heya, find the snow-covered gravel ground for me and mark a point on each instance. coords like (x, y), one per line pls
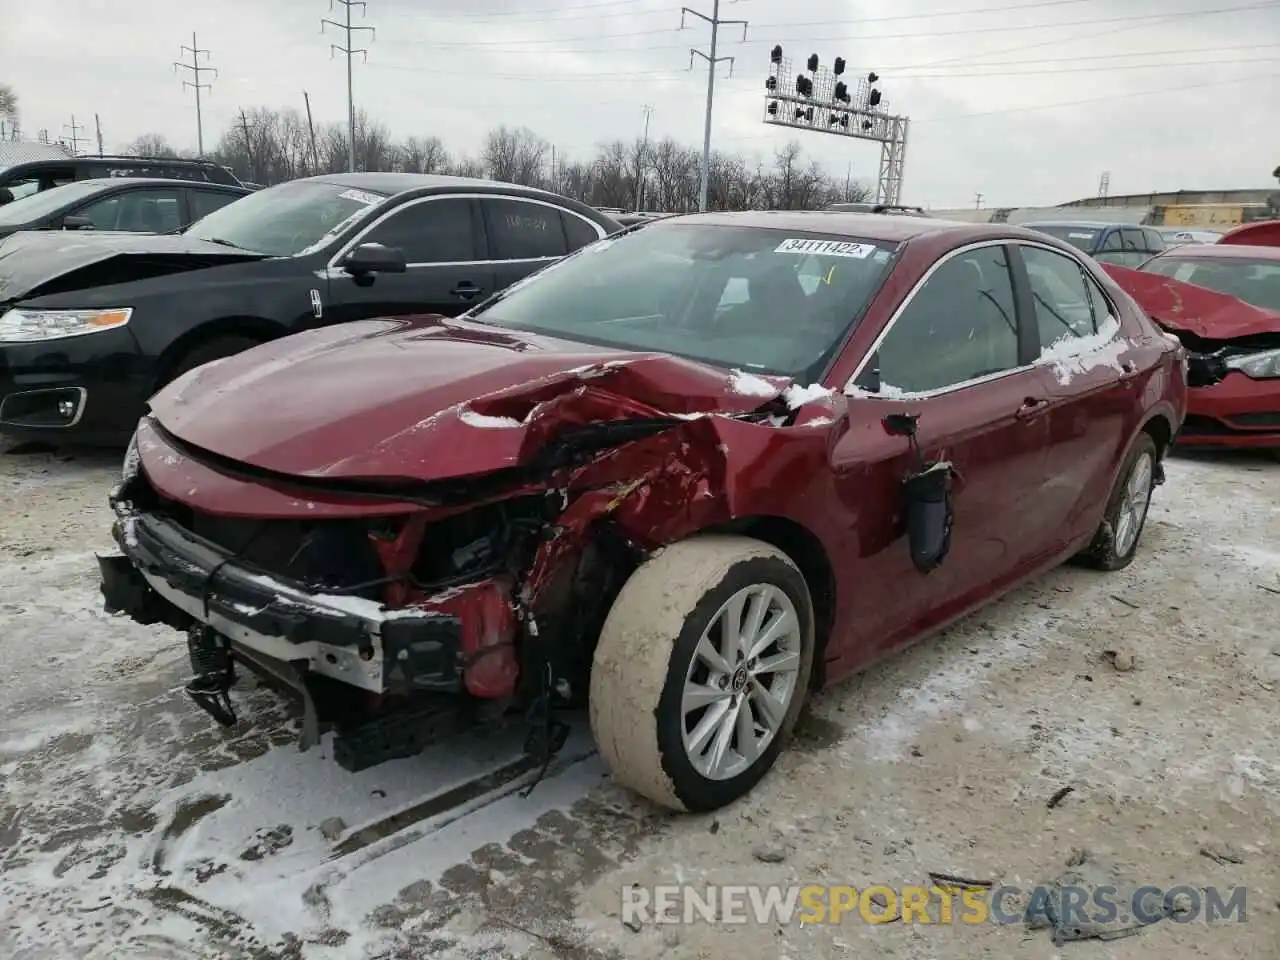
(130, 827)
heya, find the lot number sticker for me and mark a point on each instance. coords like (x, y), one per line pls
(359, 196)
(827, 248)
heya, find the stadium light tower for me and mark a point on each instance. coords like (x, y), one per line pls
(819, 98)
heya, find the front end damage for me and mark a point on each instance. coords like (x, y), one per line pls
(400, 612)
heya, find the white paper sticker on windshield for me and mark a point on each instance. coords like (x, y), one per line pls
(1080, 236)
(826, 248)
(359, 196)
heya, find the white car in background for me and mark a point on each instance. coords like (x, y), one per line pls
(1177, 236)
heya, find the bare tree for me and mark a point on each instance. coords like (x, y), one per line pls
(151, 145)
(515, 155)
(8, 101)
(270, 146)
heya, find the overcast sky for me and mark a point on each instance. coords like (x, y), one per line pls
(1024, 101)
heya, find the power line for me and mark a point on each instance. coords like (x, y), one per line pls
(75, 138)
(508, 46)
(903, 70)
(195, 84)
(711, 58)
(350, 51)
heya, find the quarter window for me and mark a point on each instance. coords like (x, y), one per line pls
(960, 326)
(434, 231)
(1062, 302)
(577, 231)
(519, 230)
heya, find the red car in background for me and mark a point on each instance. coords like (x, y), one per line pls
(1223, 302)
(682, 477)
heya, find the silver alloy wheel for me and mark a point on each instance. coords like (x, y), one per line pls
(740, 681)
(1134, 502)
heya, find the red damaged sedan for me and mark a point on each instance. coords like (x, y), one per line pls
(683, 478)
(1223, 302)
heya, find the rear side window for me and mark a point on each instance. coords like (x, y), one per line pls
(138, 211)
(520, 230)
(577, 231)
(1111, 241)
(1063, 308)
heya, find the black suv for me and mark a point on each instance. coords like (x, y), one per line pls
(92, 323)
(24, 179)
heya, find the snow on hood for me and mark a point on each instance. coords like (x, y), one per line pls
(431, 399)
(1192, 309)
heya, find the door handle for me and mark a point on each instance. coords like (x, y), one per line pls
(466, 290)
(1031, 408)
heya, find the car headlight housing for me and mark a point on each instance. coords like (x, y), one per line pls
(24, 325)
(1261, 366)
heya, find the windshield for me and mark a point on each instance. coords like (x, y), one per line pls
(1254, 281)
(37, 206)
(748, 298)
(286, 220)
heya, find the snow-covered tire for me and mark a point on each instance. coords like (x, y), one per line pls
(1113, 548)
(651, 646)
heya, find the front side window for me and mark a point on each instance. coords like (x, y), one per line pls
(731, 296)
(285, 220)
(36, 206)
(1064, 311)
(523, 231)
(138, 211)
(433, 231)
(1256, 282)
(960, 326)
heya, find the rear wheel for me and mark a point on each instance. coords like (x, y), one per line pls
(701, 671)
(1116, 541)
(207, 351)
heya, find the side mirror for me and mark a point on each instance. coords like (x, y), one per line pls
(6, 196)
(76, 223)
(374, 258)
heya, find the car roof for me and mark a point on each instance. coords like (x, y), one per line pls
(1086, 224)
(394, 183)
(1223, 251)
(884, 227)
(104, 182)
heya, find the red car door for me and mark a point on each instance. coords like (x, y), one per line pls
(1090, 373)
(956, 355)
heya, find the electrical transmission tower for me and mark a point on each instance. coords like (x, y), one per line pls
(74, 139)
(712, 59)
(1104, 184)
(350, 51)
(195, 84)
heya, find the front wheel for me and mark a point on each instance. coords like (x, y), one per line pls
(1116, 541)
(701, 671)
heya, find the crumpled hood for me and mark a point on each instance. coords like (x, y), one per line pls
(429, 399)
(50, 259)
(1196, 310)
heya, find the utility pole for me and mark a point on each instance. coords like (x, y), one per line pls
(350, 51)
(248, 147)
(195, 84)
(311, 130)
(75, 138)
(712, 60)
(97, 123)
(644, 146)
(554, 186)
(977, 201)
